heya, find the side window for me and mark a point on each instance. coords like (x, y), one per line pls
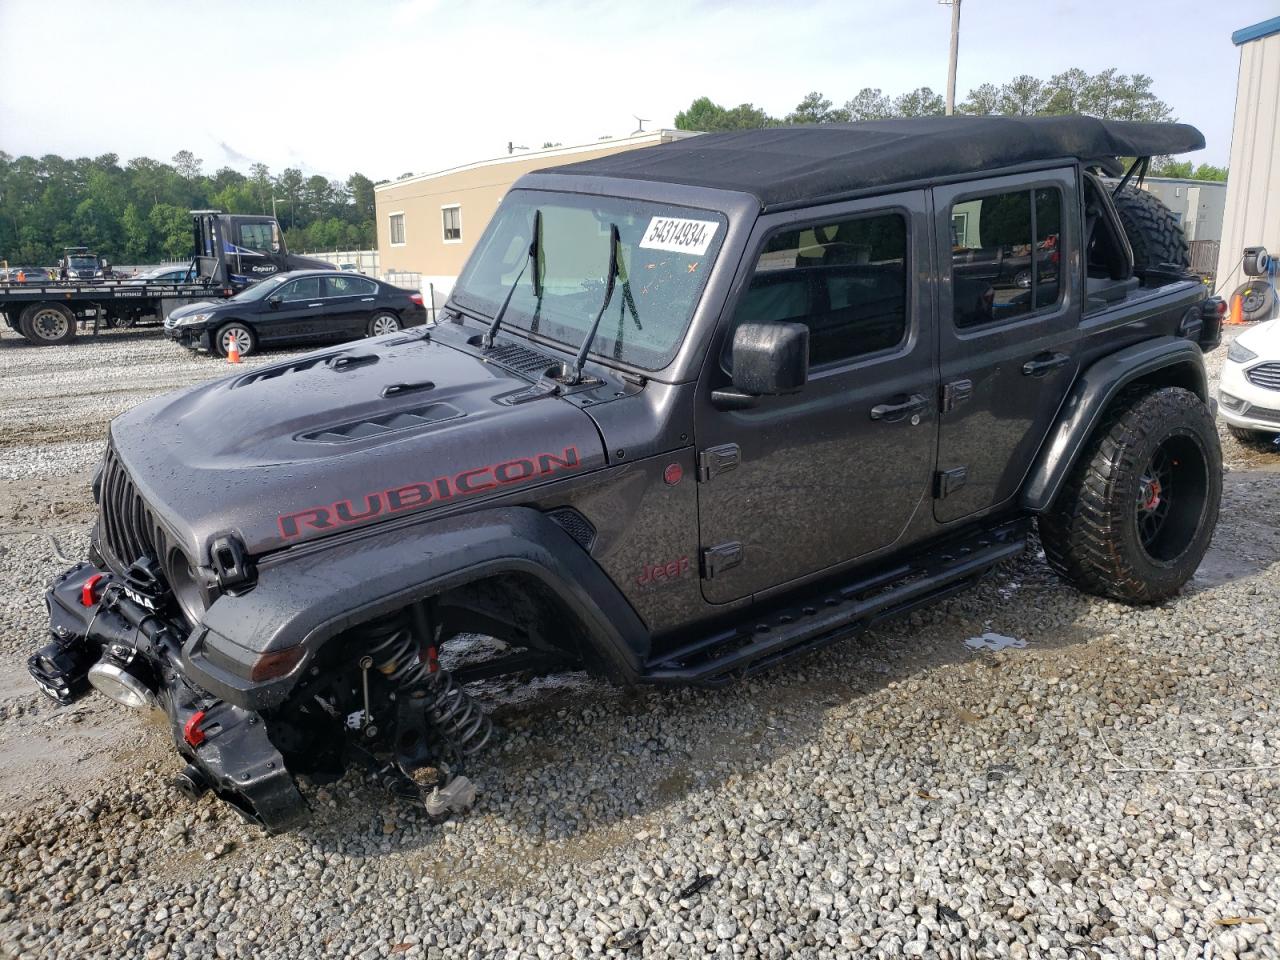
(845, 280)
(348, 287)
(262, 237)
(306, 288)
(452, 223)
(998, 271)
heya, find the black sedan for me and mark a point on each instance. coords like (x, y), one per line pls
(303, 306)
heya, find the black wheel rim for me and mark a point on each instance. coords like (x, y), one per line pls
(1170, 498)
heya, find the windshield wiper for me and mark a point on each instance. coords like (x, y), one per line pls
(487, 340)
(575, 374)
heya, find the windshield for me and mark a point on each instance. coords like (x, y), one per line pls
(261, 289)
(83, 263)
(666, 253)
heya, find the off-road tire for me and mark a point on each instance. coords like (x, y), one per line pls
(1093, 535)
(1257, 299)
(1155, 236)
(381, 323)
(47, 324)
(242, 330)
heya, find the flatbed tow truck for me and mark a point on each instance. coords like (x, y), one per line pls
(232, 251)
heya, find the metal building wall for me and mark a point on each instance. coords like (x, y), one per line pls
(1253, 182)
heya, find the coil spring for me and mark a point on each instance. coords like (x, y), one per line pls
(460, 720)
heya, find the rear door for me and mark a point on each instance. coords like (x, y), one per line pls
(1008, 330)
(836, 471)
(351, 302)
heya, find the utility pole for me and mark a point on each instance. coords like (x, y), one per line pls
(955, 51)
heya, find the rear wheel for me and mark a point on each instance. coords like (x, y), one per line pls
(1154, 234)
(383, 322)
(1136, 515)
(238, 333)
(47, 324)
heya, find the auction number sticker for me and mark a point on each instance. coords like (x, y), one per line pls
(679, 236)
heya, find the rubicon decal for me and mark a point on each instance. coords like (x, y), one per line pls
(423, 493)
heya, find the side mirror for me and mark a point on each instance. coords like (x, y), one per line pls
(274, 302)
(769, 359)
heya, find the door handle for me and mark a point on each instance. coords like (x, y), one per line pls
(315, 304)
(1044, 363)
(890, 412)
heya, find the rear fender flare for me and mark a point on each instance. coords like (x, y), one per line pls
(311, 596)
(1163, 361)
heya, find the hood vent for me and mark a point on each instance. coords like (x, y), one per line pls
(521, 359)
(383, 425)
(270, 373)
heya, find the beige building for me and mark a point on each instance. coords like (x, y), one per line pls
(428, 224)
(1252, 215)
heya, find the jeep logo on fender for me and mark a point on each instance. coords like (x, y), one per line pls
(414, 496)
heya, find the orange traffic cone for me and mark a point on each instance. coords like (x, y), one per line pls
(1237, 310)
(233, 349)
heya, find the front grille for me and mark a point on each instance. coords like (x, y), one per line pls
(1264, 375)
(127, 528)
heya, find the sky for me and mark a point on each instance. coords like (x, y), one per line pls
(387, 87)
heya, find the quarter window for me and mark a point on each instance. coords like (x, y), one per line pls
(397, 228)
(845, 280)
(997, 271)
(452, 223)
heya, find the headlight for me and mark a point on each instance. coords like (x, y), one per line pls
(184, 581)
(193, 319)
(1240, 354)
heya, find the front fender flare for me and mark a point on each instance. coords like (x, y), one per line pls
(1093, 392)
(308, 597)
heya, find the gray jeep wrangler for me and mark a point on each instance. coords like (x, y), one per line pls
(689, 410)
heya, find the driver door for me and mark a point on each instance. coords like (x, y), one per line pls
(804, 482)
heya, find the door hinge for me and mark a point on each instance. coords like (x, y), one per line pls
(716, 560)
(954, 393)
(947, 482)
(715, 460)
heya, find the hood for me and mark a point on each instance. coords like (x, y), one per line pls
(188, 309)
(343, 438)
(1264, 340)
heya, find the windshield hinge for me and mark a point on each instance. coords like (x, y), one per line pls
(716, 460)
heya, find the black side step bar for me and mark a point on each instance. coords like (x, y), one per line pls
(833, 615)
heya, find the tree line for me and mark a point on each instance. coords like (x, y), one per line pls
(1108, 94)
(139, 211)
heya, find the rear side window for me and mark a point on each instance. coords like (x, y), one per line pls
(845, 280)
(998, 271)
(349, 287)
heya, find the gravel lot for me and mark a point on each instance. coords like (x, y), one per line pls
(1108, 790)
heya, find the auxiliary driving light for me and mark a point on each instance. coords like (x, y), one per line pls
(111, 676)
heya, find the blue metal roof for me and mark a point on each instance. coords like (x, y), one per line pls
(1259, 30)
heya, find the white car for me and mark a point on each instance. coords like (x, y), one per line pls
(1249, 395)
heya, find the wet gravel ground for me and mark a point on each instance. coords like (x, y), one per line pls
(1108, 790)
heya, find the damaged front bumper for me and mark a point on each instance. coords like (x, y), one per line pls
(107, 635)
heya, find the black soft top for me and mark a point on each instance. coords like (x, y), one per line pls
(784, 166)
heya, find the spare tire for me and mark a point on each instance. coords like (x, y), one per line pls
(1257, 299)
(1154, 234)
